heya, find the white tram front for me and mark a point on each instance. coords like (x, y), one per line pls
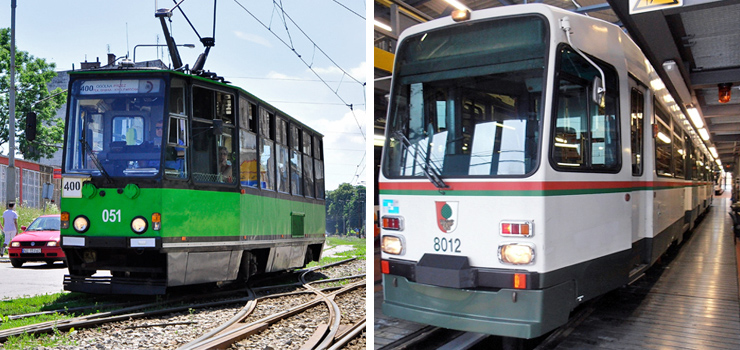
(533, 160)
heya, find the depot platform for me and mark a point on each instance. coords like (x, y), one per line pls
(689, 300)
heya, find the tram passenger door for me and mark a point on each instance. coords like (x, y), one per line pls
(641, 195)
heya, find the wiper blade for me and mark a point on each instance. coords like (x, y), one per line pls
(95, 160)
(430, 170)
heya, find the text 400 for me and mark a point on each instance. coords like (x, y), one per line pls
(446, 245)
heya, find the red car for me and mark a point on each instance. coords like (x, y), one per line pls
(38, 242)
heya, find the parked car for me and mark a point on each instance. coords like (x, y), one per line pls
(38, 242)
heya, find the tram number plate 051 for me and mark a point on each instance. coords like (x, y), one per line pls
(447, 245)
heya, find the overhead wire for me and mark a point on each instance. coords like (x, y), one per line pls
(349, 9)
(285, 16)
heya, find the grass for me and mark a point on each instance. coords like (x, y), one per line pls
(49, 302)
(358, 249)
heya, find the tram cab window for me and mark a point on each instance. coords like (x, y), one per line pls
(212, 153)
(586, 133)
(267, 151)
(318, 166)
(248, 175)
(296, 163)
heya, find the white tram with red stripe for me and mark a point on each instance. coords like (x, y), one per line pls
(533, 160)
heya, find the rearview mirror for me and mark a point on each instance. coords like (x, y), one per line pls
(218, 126)
(597, 91)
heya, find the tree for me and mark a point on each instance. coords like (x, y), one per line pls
(32, 77)
(345, 208)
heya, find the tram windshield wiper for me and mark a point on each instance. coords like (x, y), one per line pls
(95, 160)
(430, 170)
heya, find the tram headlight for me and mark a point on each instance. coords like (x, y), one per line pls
(81, 224)
(516, 253)
(139, 225)
(391, 245)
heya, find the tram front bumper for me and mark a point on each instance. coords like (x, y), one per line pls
(505, 312)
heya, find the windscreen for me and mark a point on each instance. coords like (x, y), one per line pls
(467, 100)
(115, 127)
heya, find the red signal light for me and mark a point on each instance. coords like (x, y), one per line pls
(391, 223)
(385, 267)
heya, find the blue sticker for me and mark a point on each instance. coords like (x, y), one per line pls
(390, 206)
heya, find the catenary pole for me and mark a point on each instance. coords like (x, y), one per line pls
(10, 172)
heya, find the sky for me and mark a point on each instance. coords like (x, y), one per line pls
(329, 36)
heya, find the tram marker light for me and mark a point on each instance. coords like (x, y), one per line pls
(520, 281)
(391, 245)
(385, 267)
(64, 219)
(516, 228)
(394, 223)
(156, 221)
(516, 254)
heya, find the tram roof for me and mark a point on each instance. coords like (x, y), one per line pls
(155, 70)
(700, 36)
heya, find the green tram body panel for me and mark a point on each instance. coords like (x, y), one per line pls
(194, 213)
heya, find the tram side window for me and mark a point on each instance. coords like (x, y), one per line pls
(679, 153)
(267, 151)
(248, 143)
(296, 164)
(281, 152)
(212, 153)
(318, 166)
(175, 164)
(663, 147)
(307, 165)
(586, 134)
(637, 124)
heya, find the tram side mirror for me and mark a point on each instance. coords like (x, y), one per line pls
(218, 126)
(30, 126)
(597, 92)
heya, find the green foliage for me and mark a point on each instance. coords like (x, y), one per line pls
(27, 215)
(345, 209)
(32, 76)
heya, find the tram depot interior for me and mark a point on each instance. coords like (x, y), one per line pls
(693, 45)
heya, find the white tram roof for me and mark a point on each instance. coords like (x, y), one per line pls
(594, 36)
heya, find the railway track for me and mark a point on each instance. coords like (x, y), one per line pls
(256, 314)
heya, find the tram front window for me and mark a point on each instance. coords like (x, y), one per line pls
(117, 124)
(467, 100)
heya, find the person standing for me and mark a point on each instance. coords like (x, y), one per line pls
(10, 226)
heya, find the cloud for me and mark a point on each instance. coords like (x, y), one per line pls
(252, 38)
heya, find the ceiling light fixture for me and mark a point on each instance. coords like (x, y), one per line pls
(674, 75)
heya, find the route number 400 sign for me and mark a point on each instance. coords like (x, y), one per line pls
(72, 187)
